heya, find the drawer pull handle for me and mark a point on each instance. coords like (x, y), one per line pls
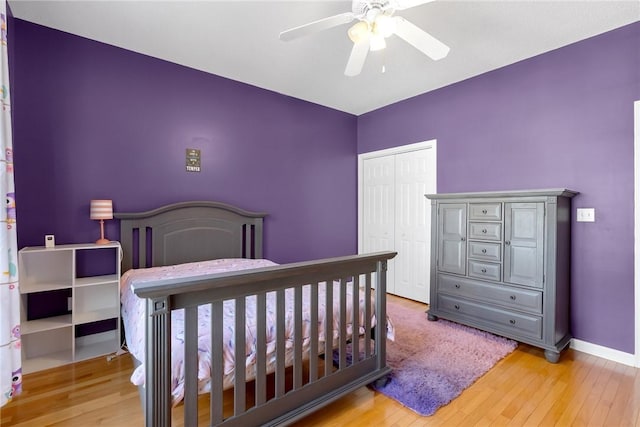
(484, 211)
(513, 322)
(513, 297)
(457, 307)
(484, 230)
(484, 251)
(457, 286)
(507, 243)
(463, 239)
(484, 270)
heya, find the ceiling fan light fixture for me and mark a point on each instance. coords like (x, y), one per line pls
(384, 25)
(377, 42)
(358, 31)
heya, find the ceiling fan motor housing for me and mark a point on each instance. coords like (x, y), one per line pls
(361, 8)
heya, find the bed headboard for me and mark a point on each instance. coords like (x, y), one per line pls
(189, 232)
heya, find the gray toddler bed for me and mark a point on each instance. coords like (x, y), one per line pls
(198, 231)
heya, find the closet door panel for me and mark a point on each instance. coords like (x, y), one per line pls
(414, 177)
(378, 210)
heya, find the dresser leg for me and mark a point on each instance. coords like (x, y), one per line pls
(552, 356)
(432, 317)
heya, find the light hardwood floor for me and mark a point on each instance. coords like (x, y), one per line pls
(522, 389)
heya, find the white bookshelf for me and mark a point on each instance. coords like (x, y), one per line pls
(53, 341)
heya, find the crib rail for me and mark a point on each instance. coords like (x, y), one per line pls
(363, 363)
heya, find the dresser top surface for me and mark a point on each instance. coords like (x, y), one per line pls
(554, 192)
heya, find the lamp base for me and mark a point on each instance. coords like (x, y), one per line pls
(102, 241)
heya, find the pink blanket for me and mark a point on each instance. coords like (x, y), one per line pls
(133, 315)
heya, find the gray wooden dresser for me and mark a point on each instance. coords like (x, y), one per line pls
(500, 262)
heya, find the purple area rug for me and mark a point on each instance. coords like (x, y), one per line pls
(433, 362)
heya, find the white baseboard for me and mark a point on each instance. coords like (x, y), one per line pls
(604, 352)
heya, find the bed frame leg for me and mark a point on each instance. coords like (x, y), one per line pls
(381, 382)
(158, 363)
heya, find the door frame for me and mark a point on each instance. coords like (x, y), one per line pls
(636, 227)
(431, 144)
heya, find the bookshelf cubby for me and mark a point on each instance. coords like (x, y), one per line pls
(50, 334)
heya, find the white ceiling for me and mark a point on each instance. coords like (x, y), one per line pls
(239, 40)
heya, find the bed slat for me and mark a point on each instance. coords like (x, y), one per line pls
(261, 349)
(342, 346)
(126, 238)
(257, 239)
(367, 316)
(248, 239)
(142, 247)
(280, 343)
(191, 366)
(313, 333)
(328, 326)
(355, 319)
(217, 364)
(297, 338)
(239, 403)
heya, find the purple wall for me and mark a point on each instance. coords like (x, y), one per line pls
(95, 121)
(562, 119)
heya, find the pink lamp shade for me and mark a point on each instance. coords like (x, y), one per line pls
(101, 210)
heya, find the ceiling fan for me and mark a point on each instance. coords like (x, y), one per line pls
(375, 23)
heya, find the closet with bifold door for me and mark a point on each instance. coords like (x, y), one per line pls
(395, 216)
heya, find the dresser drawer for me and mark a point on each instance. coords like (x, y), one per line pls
(515, 298)
(485, 211)
(484, 270)
(485, 250)
(485, 231)
(515, 324)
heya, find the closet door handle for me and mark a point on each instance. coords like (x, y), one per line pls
(463, 239)
(507, 243)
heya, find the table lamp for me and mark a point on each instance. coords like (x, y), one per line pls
(101, 210)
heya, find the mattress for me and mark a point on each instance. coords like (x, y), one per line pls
(133, 315)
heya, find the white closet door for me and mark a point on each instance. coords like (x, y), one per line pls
(414, 177)
(378, 210)
(396, 216)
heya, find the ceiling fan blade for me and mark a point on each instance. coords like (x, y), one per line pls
(316, 26)
(406, 4)
(356, 59)
(421, 40)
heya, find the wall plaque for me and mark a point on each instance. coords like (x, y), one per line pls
(193, 160)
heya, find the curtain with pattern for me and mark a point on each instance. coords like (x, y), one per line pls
(10, 354)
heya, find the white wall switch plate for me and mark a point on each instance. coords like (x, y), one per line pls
(586, 215)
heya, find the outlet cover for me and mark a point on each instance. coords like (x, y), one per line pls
(586, 215)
